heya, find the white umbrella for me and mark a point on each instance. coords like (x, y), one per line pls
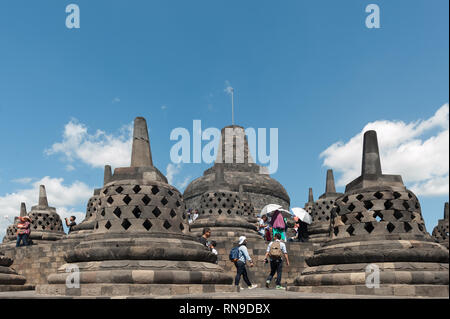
(269, 209)
(302, 214)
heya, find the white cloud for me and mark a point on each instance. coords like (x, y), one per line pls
(65, 198)
(173, 170)
(95, 149)
(419, 151)
(163, 107)
(25, 180)
(116, 100)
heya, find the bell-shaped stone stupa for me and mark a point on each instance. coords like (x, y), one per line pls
(141, 243)
(222, 210)
(319, 230)
(440, 232)
(46, 225)
(379, 244)
(11, 231)
(309, 206)
(88, 224)
(239, 169)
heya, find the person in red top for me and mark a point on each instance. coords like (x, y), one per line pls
(23, 231)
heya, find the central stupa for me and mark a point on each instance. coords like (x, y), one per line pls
(241, 175)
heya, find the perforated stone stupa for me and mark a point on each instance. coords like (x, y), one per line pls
(310, 204)
(46, 225)
(141, 243)
(88, 224)
(239, 169)
(11, 231)
(222, 210)
(440, 232)
(377, 225)
(319, 230)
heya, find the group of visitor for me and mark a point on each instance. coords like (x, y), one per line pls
(273, 229)
(268, 227)
(24, 229)
(275, 252)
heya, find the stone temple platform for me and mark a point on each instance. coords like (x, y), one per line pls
(141, 243)
(377, 236)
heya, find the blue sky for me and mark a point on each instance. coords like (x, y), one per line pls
(309, 68)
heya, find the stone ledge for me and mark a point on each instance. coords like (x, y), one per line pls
(15, 287)
(384, 290)
(132, 290)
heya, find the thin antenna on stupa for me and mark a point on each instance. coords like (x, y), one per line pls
(229, 90)
(232, 106)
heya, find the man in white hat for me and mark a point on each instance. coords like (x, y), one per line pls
(240, 263)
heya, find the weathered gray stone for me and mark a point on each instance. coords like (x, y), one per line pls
(319, 230)
(86, 227)
(141, 234)
(10, 280)
(440, 232)
(239, 169)
(378, 223)
(11, 230)
(46, 225)
(223, 211)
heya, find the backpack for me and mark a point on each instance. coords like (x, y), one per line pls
(234, 254)
(275, 250)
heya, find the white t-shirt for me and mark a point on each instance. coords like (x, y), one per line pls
(262, 223)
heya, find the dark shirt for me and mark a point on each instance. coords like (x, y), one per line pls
(302, 230)
(71, 225)
(203, 241)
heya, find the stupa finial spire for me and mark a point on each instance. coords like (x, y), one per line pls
(310, 195)
(141, 155)
(42, 196)
(23, 210)
(371, 164)
(107, 174)
(446, 211)
(330, 187)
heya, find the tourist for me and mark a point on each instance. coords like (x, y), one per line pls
(263, 224)
(275, 251)
(205, 235)
(296, 225)
(303, 235)
(189, 217)
(194, 215)
(241, 262)
(278, 225)
(72, 222)
(212, 247)
(23, 231)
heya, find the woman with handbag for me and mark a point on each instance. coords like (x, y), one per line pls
(23, 231)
